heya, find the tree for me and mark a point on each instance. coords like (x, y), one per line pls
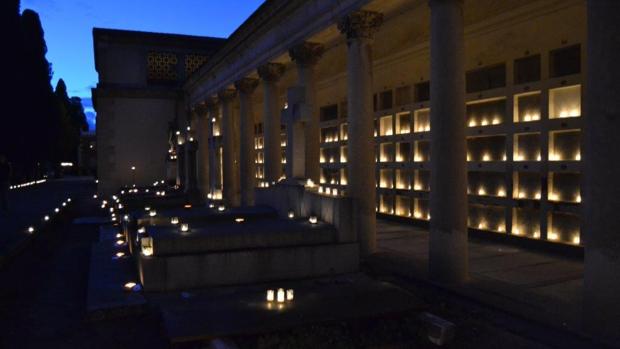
(72, 121)
(37, 128)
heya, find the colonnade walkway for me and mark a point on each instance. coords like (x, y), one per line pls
(538, 285)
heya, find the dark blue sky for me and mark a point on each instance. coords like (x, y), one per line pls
(68, 28)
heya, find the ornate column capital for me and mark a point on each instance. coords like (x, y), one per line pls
(306, 53)
(246, 85)
(431, 3)
(360, 24)
(200, 109)
(271, 72)
(211, 103)
(227, 95)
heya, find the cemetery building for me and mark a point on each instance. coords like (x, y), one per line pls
(488, 117)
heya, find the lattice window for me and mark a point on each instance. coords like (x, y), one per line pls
(193, 62)
(162, 66)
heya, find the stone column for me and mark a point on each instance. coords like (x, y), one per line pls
(212, 115)
(180, 159)
(306, 55)
(202, 157)
(600, 188)
(229, 135)
(359, 28)
(270, 73)
(191, 188)
(448, 198)
(247, 169)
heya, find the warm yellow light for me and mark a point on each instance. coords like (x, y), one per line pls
(119, 235)
(578, 157)
(537, 195)
(129, 286)
(472, 123)
(516, 231)
(120, 254)
(521, 195)
(239, 220)
(270, 295)
(290, 294)
(578, 198)
(31, 229)
(146, 245)
(538, 157)
(184, 227)
(496, 121)
(174, 220)
(141, 230)
(313, 219)
(280, 295)
(536, 235)
(417, 214)
(481, 191)
(552, 235)
(291, 215)
(484, 122)
(553, 197)
(120, 242)
(486, 157)
(221, 208)
(518, 157)
(501, 192)
(576, 240)
(482, 225)
(152, 213)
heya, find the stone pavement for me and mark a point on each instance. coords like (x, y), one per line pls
(28, 206)
(537, 285)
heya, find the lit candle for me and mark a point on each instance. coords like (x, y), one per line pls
(270, 295)
(280, 295)
(174, 220)
(152, 213)
(290, 294)
(184, 227)
(221, 208)
(313, 219)
(239, 220)
(291, 215)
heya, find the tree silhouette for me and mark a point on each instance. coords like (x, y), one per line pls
(40, 126)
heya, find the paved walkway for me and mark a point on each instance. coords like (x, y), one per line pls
(28, 205)
(534, 284)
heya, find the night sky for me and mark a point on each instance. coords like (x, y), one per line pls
(68, 29)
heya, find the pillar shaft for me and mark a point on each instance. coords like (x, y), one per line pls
(245, 87)
(448, 261)
(202, 157)
(359, 27)
(306, 56)
(180, 161)
(191, 187)
(600, 189)
(270, 73)
(229, 139)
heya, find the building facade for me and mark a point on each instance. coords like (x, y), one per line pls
(464, 114)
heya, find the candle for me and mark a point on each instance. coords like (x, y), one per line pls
(270, 295)
(280, 295)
